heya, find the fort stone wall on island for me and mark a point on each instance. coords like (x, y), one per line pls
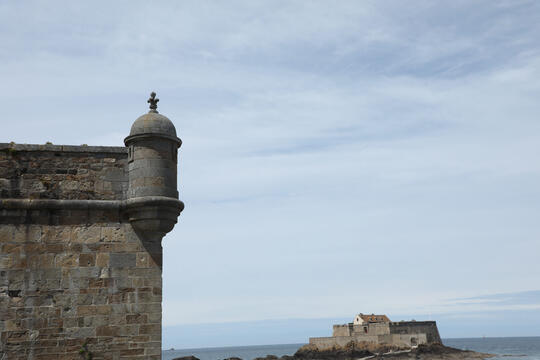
(382, 331)
(415, 327)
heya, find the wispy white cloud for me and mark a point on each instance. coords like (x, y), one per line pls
(329, 151)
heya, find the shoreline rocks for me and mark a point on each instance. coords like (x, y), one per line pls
(354, 349)
(373, 351)
(436, 351)
(365, 351)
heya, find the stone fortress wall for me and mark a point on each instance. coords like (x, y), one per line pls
(403, 334)
(417, 327)
(80, 245)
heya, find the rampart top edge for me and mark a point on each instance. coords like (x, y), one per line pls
(63, 148)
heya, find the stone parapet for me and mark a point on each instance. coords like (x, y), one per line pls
(13, 147)
(63, 172)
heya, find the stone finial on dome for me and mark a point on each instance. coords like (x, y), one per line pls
(153, 102)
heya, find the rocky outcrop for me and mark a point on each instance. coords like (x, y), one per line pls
(435, 351)
(191, 357)
(365, 351)
(353, 350)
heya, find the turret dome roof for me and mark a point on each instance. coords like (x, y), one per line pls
(153, 123)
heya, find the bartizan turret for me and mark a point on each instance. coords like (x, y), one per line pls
(152, 199)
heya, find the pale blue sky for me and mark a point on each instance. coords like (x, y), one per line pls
(338, 157)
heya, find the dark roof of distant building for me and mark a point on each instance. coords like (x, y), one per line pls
(375, 318)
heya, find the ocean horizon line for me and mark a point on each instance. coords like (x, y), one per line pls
(291, 344)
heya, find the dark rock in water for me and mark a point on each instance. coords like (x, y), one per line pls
(309, 353)
(438, 349)
(355, 351)
(434, 351)
(267, 357)
(382, 352)
(191, 357)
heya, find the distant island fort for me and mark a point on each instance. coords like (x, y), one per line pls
(378, 329)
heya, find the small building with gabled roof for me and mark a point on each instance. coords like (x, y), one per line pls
(361, 319)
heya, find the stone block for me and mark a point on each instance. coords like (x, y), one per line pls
(100, 299)
(112, 234)
(12, 249)
(84, 299)
(137, 282)
(96, 321)
(132, 352)
(12, 325)
(127, 247)
(86, 310)
(89, 272)
(155, 350)
(142, 259)
(121, 309)
(54, 248)
(55, 322)
(43, 261)
(122, 260)
(86, 234)
(117, 330)
(87, 260)
(154, 317)
(5, 261)
(147, 308)
(27, 233)
(146, 297)
(136, 318)
(80, 332)
(149, 329)
(66, 260)
(105, 273)
(6, 233)
(70, 322)
(102, 259)
(56, 234)
(103, 309)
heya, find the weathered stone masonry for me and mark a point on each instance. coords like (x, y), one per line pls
(80, 245)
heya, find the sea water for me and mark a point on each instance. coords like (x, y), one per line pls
(510, 348)
(526, 348)
(243, 352)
